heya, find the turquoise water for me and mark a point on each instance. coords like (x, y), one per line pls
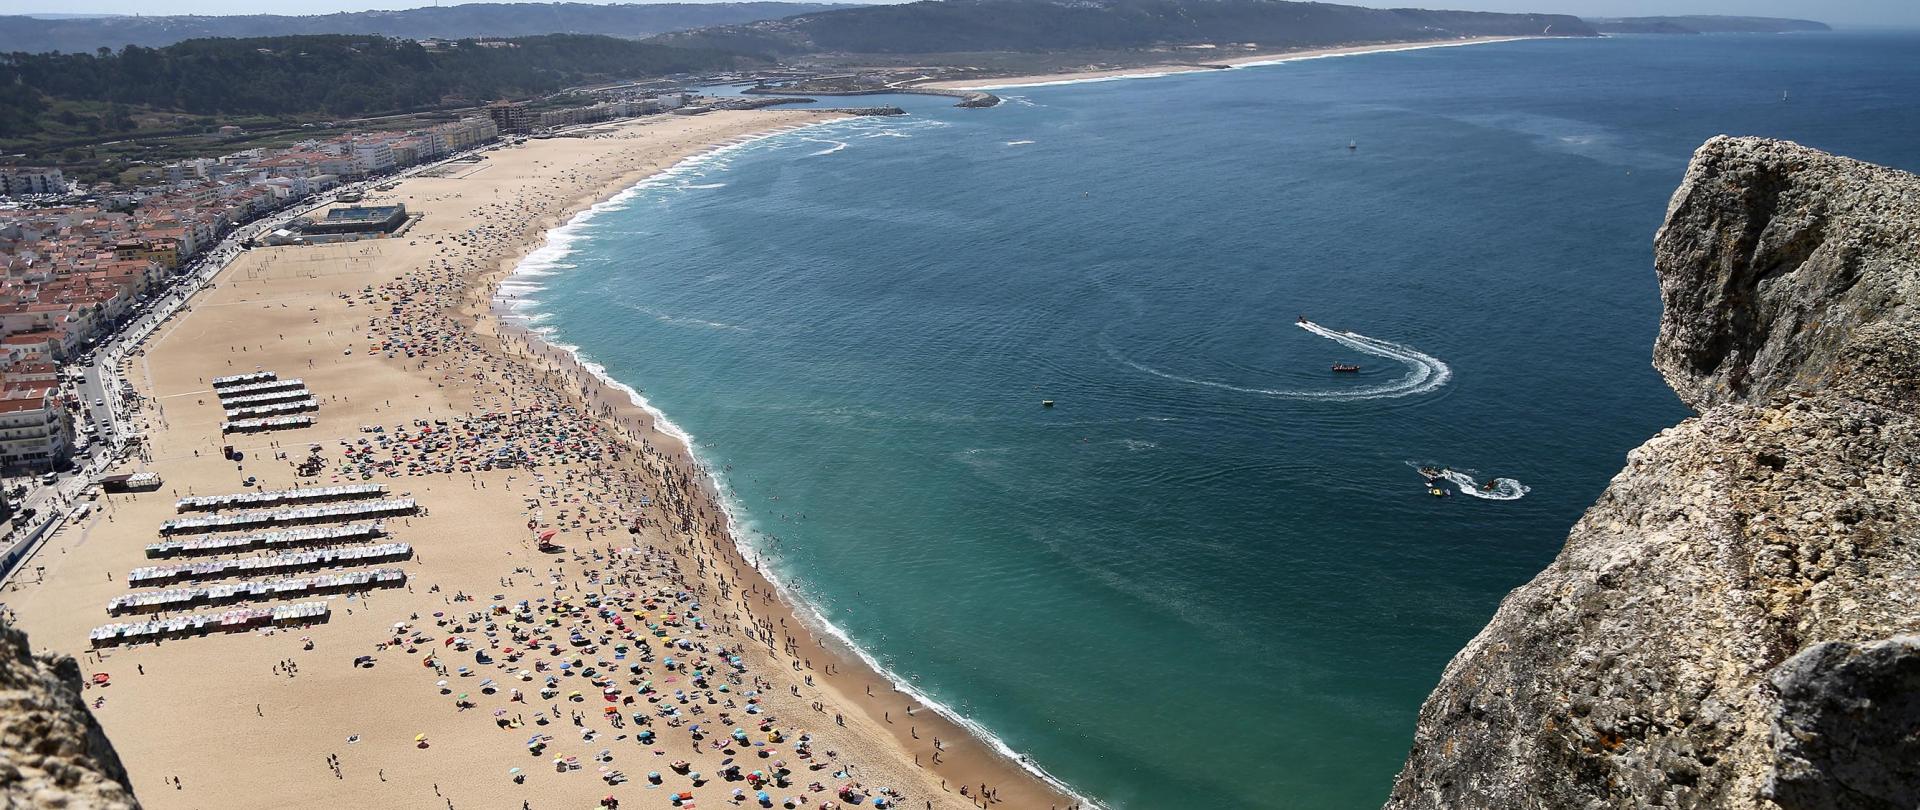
(1209, 574)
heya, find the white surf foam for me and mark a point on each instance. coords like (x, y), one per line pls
(740, 527)
(1424, 371)
(1018, 143)
(744, 532)
(1504, 489)
(549, 258)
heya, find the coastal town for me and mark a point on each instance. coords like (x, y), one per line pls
(303, 441)
(82, 262)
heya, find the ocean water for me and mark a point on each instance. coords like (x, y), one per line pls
(1210, 573)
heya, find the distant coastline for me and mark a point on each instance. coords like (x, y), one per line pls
(1171, 68)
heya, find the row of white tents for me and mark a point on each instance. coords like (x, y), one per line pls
(245, 566)
(276, 409)
(248, 378)
(224, 543)
(265, 423)
(266, 398)
(234, 620)
(277, 497)
(236, 521)
(177, 598)
(264, 387)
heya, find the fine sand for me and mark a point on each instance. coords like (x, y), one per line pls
(1201, 60)
(390, 331)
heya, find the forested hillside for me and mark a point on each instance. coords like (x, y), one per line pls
(948, 26)
(1705, 24)
(332, 75)
(467, 20)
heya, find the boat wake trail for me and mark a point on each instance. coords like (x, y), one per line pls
(1497, 489)
(1424, 371)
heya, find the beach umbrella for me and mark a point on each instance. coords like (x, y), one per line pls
(419, 738)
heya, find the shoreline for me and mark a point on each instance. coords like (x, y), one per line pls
(1204, 66)
(261, 743)
(625, 404)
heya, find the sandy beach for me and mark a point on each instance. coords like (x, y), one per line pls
(1198, 60)
(640, 657)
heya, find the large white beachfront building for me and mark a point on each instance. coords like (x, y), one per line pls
(34, 428)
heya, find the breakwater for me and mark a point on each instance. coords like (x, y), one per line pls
(968, 98)
(865, 110)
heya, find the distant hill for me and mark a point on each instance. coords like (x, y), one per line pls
(1704, 24)
(78, 34)
(950, 26)
(332, 75)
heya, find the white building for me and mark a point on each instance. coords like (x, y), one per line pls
(17, 181)
(34, 430)
(372, 156)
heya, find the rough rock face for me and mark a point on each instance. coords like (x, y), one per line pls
(52, 753)
(1712, 634)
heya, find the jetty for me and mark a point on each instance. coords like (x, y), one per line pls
(968, 98)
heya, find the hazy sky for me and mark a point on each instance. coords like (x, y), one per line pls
(1837, 12)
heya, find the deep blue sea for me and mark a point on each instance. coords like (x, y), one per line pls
(1210, 572)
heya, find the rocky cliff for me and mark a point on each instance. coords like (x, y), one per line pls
(52, 753)
(1727, 627)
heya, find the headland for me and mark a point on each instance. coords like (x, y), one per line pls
(1205, 60)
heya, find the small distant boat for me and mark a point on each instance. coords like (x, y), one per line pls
(1783, 97)
(1046, 403)
(1352, 145)
(1437, 492)
(1345, 368)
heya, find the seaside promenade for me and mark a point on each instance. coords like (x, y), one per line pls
(574, 622)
